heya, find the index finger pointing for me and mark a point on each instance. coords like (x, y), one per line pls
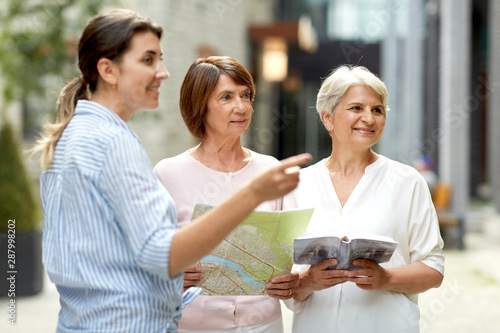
(295, 161)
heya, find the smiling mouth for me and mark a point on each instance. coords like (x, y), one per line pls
(241, 121)
(364, 130)
(153, 89)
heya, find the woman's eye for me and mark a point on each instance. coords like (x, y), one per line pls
(148, 60)
(378, 110)
(246, 96)
(357, 108)
(225, 97)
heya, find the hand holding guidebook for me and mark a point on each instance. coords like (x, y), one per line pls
(309, 250)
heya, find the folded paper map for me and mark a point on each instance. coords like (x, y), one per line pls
(260, 248)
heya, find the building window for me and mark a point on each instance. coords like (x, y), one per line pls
(363, 20)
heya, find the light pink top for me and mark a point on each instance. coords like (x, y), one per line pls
(190, 182)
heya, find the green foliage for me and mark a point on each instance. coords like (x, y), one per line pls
(39, 39)
(38, 44)
(16, 195)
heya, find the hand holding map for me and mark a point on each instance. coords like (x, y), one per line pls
(258, 249)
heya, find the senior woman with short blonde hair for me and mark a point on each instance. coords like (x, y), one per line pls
(356, 190)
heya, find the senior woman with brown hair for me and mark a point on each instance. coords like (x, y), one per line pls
(216, 104)
(355, 190)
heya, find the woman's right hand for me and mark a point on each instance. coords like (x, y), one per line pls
(278, 180)
(282, 286)
(192, 277)
(319, 277)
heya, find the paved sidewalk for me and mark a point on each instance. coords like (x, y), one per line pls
(467, 301)
(34, 314)
(469, 298)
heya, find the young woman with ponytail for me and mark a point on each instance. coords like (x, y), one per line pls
(111, 244)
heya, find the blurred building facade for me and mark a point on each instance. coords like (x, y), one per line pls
(192, 29)
(437, 57)
(440, 60)
(492, 74)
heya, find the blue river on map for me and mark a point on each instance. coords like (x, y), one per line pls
(232, 265)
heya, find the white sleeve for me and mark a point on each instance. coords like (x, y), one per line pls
(425, 242)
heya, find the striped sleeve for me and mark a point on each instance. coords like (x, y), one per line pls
(142, 208)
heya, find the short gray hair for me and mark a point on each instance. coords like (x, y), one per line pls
(336, 84)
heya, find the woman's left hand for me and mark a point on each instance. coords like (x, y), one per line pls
(192, 277)
(409, 279)
(283, 286)
(371, 277)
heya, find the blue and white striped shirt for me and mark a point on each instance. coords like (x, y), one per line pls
(108, 228)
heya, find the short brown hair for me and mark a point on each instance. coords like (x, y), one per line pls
(200, 81)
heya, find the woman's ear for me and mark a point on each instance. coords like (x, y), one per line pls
(327, 120)
(108, 71)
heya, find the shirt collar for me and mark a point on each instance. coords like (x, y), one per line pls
(98, 110)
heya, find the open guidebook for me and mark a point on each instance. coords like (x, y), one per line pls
(311, 250)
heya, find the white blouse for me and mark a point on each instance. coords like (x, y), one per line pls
(391, 199)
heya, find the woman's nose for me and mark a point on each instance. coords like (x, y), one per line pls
(368, 116)
(162, 72)
(239, 105)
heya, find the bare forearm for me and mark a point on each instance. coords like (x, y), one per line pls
(195, 240)
(413, 279)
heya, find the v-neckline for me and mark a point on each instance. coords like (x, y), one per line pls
(355, 192)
